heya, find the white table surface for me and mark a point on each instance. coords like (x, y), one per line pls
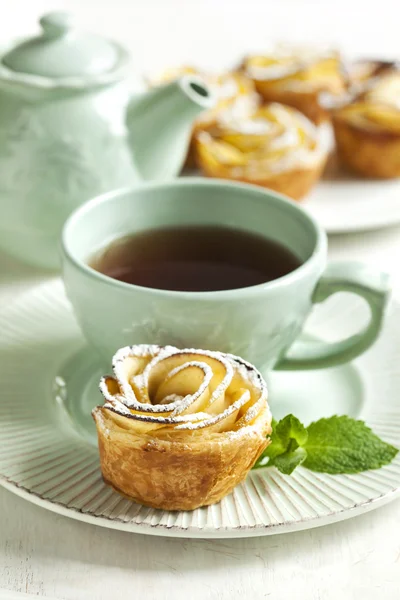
(51, 556)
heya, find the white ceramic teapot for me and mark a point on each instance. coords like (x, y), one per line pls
(69, 130)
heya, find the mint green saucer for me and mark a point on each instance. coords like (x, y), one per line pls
(48, 452)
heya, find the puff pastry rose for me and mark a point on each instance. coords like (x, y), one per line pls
(367, 131)
(276, 147)
(300, 78)
(180, 428)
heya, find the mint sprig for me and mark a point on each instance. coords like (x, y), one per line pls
(286, 450)
(333, 445)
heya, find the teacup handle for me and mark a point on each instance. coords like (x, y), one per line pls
(358, 279)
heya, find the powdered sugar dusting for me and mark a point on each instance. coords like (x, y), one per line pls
(171, 398)
(135, 366)
(215, 419)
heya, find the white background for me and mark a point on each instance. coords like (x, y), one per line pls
(49, 555)
(162, 32)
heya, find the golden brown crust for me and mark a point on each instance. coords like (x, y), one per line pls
(367, 152)
(180, 429)
(175, 475)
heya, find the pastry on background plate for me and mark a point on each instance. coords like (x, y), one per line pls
(276, 147)
(367, 131)
(180, 428)
(302, 78)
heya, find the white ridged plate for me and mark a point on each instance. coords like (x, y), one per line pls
(48, 455)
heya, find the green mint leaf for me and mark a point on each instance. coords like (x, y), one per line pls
(344, 445)
(288, 435)
(287, 462)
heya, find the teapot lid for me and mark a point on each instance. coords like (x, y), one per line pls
(61, 51)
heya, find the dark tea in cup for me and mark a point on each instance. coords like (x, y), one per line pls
(195, 259)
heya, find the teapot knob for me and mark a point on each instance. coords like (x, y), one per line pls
(56, 24)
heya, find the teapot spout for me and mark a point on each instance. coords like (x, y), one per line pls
(160, 124)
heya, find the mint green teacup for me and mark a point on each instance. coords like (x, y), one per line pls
(259, 323)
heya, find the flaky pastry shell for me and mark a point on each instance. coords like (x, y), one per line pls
(367, 131)
(180, 428)
(276, 147)
(302, 79)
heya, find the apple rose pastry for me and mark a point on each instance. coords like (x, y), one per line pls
(180, 428)
(367, 131)
(301, 78)
(276, 147)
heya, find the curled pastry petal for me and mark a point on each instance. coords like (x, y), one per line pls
(180, 428)
(276, 147)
